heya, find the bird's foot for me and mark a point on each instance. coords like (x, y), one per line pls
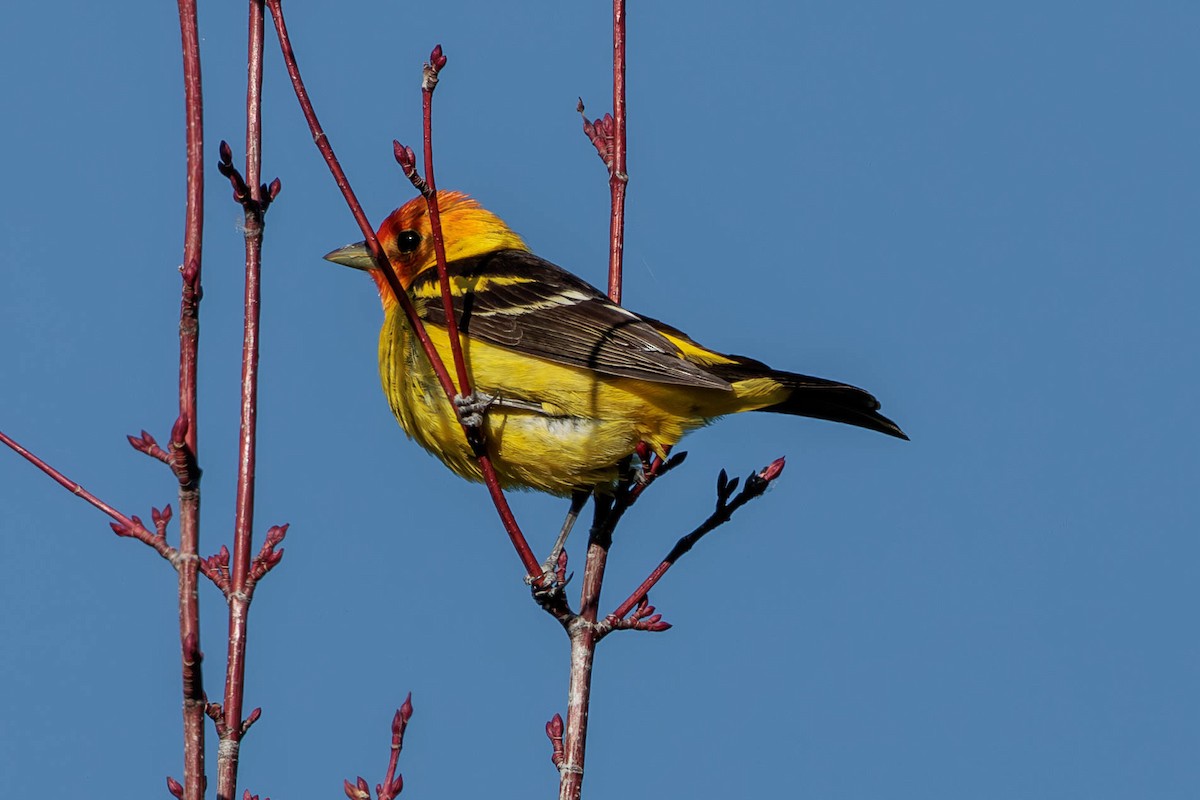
(470, 409)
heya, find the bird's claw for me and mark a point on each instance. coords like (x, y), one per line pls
(472, 407)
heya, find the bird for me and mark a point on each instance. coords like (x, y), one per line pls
(571, 383)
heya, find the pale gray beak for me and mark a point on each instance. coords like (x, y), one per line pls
(355, 255)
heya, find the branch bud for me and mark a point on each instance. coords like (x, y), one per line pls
(772, 470)
(406, 709)
(437, 59)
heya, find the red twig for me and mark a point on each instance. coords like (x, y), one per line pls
(583, 636)
(339, 176)
(429, 82)
(583, 632)
(643, 618)
(618, 177)
(268, 557)
(473, 430)
(184, 449)
(149, 445)
(129, 526)
(254, 198)
(528, 559)
(392, 784)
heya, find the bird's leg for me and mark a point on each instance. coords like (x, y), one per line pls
(471, 409)
(579, 498)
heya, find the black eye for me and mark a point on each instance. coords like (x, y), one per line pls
(408, 241)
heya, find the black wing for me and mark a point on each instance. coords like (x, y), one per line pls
(514, 299)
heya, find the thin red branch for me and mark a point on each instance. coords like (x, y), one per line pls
(149, 445)
(583, 631)
(239, 595)
(392, 784)
(339, 176)
(643, 618)
(583, 654)
(186, 448)
(128, 526)
(268, 557)
(429, 82)
(472, 430)
(528, 559)
(618, 176)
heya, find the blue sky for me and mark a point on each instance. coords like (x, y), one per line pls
(985, 214)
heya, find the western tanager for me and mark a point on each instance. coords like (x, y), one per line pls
(574, 382)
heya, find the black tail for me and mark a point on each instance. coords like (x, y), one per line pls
(818, 398)
(836, 402)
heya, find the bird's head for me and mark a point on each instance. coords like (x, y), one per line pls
(468, 229)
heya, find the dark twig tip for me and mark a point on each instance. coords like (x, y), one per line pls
(174, 787)
(406, 709)
(276, 533)
(404, 155)
(226, 152)
(145, 443)
(274, 189)
(437, 58)
(407, 160)
(773, 470)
